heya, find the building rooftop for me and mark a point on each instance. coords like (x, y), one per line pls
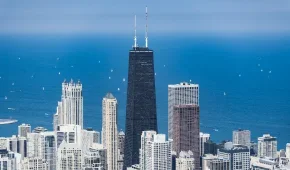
(23, 124)
(267, 137)
(39, 129)
(109, 96)
(183, 84)
(121, 133)
(159, 138)
(241, 130)
(140, 49)
(201, 134)
(235, 149)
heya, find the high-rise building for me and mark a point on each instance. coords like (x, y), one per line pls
(69, 147)
(288, 151)
(242, 137)
(185, 130)
(18, 145)
(203, 137)
(211, 162)
(239, 156)
(42, 145)
(180, 94)
(48, 149)
(121, 145)
(95, 158)
(69, 156)
(109, 130)
(155, 152)
(9, 160)
(23, 129)
(33, 145)
(210, 147)
(121, 141)
(89, 137)
(34, 164)
(71, 104)
(267, 146)
(141, 99)
(68, 133)
(146, 139)
(185, 161)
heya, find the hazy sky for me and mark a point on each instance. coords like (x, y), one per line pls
(190, 16)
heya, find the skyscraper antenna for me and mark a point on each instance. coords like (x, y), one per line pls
(146, 33)
(135, 37)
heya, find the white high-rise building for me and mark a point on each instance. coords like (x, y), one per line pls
(69, 134)
(23, 129)
(18, 145)
(71, 104)
(109, 130)
(90, 136)
(185, 161)
(34, 164)
(179, 94)
(155, 152)
(242, 137)
(267, 146)
(95, 158)
(48, 148)
(69, 147)
(239, 156)
(69, 156)
(33, 145)
(288, 151)
(146, 139)
(9, 160)
(42, 145)
(203, 137)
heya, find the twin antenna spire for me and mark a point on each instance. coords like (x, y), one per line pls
(146, 32)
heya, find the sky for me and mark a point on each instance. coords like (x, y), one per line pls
(166, 16)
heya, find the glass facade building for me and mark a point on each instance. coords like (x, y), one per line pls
(141, 102)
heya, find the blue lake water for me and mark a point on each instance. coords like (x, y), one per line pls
(244, 80)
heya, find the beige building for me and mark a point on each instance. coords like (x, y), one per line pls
(109, 130)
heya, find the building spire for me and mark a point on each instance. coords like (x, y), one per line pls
(135, 37)
(146, 33)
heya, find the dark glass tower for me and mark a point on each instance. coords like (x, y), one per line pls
(141, 102)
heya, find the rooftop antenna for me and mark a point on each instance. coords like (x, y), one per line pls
(135, 37)
(146, 33)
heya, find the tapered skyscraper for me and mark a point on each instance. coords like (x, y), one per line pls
(141, 99)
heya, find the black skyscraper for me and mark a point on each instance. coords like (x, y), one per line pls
(141, 102)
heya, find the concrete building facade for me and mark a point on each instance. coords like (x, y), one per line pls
(180, 94)
(109, 130)
(23, 129)
(267, 146)
(242, 137)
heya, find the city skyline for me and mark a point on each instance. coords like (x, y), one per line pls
(183, 104)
